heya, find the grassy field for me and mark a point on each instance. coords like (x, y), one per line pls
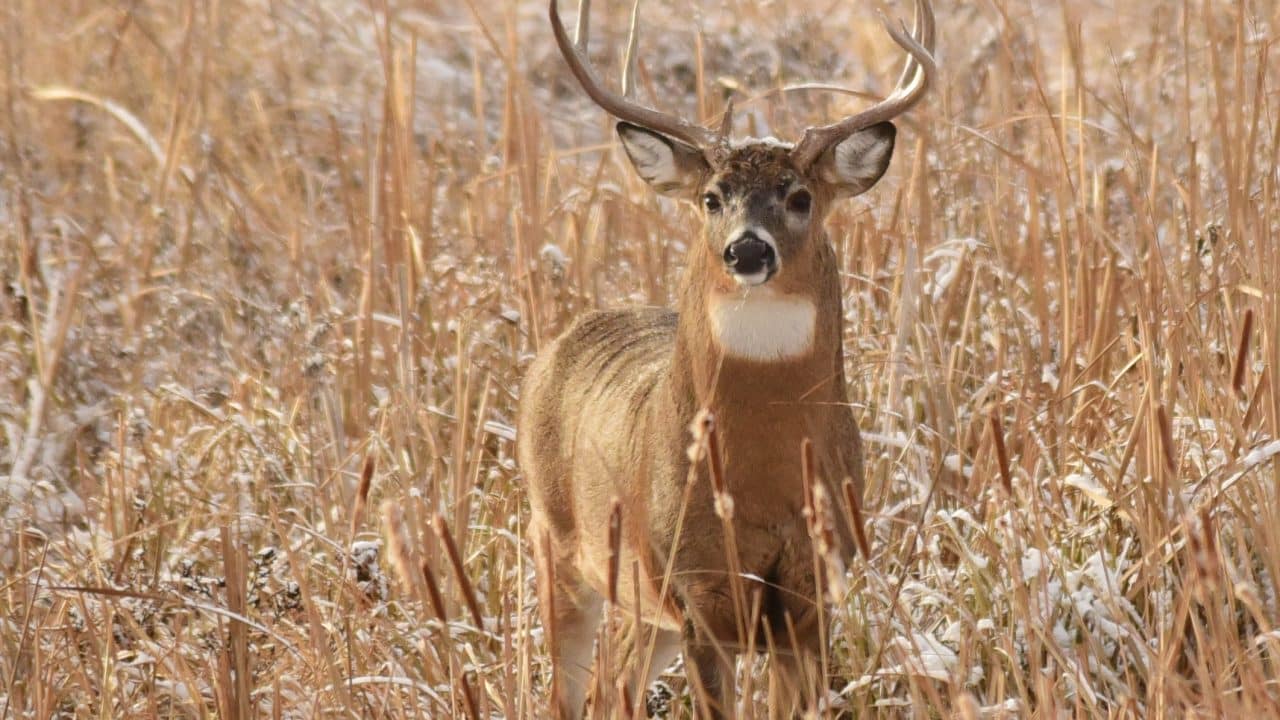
(272, 272)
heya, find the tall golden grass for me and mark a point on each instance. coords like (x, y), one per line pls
(272, 272)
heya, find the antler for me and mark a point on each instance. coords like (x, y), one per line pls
(611, 102)
(918, 74)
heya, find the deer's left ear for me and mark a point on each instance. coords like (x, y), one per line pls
(856, 163)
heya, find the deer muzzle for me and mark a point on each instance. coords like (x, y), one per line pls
(751, 259)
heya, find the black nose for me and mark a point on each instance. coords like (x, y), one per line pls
(749, 255)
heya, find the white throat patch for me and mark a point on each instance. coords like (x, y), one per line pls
(759, 324)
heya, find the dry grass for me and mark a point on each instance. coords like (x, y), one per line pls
(272, 272)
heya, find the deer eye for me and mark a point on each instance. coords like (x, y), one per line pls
(711, 202)
(799, 202)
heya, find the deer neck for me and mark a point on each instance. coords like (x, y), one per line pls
(769, 351)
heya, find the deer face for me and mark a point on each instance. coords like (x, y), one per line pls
(762, 214)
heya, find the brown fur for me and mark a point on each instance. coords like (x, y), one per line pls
(605, 413)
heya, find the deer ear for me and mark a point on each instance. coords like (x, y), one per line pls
(670, 166)
(856, 163)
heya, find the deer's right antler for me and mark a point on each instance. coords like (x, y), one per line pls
(613, 103)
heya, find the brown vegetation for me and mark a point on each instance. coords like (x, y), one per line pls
(272, 273)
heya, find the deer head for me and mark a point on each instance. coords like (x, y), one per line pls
(763, 202)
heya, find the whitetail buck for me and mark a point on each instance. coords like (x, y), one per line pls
(755, 340)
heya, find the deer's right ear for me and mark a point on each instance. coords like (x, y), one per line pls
(670, 166)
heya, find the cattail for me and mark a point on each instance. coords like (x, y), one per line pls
(397, 547)
(468, 696)
(855, 517)
(1202, 549)
(702, 423)
(547, 591)
(362, 493)
(715, 465)
(1002, 455)
(807, 473)
(1242, 351)
(615, 548)
(623, 689)
(1166, 438)
(455, 559)
(433, 592)
(822, 533)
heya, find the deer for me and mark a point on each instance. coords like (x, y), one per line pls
(753, 354)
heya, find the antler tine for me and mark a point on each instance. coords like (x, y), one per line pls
(610, 101)
(910, 67)
(629, 60)
(726, 121)
(919, 73)
(582, 28)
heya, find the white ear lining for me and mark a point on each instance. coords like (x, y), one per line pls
(654, 159)
(862, 158)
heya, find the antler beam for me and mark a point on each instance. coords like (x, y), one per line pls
(613, 103)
